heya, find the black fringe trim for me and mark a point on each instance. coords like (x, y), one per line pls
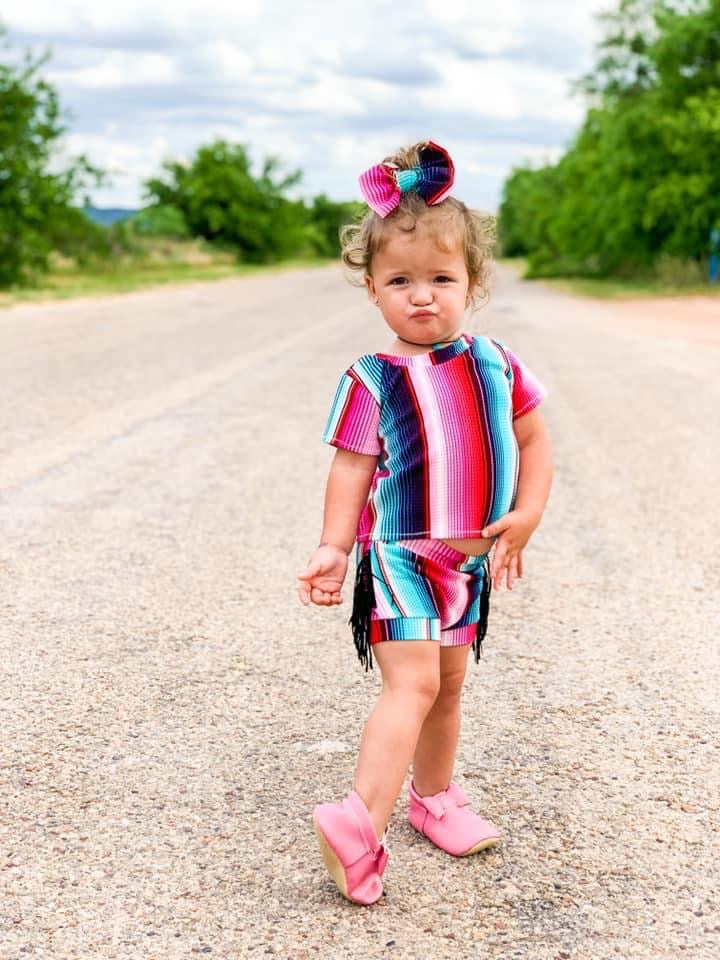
(484, 611)
(363, 604)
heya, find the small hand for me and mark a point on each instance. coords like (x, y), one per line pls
(323, 577)
(512, 531)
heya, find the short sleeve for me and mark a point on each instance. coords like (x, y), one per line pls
(354, 417)
(527, 391)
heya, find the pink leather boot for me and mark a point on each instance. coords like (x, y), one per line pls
(447, 820)
(354, 856)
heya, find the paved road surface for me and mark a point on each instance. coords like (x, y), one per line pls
(170, 713)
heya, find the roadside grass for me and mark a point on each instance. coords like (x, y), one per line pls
(162, 262)
(156, 263)
(615, 289)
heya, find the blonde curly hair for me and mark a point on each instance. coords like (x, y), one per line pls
(447, 223)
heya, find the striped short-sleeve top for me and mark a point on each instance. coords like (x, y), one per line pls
(440, 424)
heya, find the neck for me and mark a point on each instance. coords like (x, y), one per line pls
(416, 344)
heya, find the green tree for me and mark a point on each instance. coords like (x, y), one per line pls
(526, 209)
(325, 217)
(223, 202)
(37, 206)
(159, 220)
(642, 177)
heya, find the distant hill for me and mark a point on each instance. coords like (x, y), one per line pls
(108, 215)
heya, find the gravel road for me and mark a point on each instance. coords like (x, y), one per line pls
(170, 713)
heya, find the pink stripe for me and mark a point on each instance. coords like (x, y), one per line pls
(357, 423)
(378, 187)
(436, 460)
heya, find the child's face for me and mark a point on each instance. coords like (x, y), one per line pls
(421, 289)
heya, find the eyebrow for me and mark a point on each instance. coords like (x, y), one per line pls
(434, 269)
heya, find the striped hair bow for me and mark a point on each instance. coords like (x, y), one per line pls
(432, 178)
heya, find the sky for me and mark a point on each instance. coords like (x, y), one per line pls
(327, 87)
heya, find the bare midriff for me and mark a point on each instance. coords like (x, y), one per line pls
(472, 546)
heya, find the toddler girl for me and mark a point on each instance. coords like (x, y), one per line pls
(441, 453)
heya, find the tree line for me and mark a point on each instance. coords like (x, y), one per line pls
(216, 196)
(641, 180)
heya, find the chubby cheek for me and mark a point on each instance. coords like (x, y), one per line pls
(395, 300)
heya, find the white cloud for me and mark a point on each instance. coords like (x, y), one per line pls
(144, 81)
(226, 58)
(119, 69)
(127, 164)
(504, 89)
(73, 17)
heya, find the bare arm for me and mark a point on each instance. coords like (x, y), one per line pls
(534, 480)
(535, 476)
(346, 493)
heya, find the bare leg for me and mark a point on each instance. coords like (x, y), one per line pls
(437, 743)
(411, 677)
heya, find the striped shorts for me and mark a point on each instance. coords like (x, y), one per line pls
(418, 590)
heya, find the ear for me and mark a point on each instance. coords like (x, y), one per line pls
(370, 284)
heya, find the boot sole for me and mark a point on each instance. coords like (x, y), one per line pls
(483, 845)
(332, 863)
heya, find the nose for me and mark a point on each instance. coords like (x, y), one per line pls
(421, 294)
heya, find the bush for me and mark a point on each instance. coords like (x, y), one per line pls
(324, 219)
(641, 180)
(223, 202)
(37, 207)
(160, 220)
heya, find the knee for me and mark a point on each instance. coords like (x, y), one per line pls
(421, 688)
(450, 687)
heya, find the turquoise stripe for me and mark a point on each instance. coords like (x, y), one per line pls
(369, 369)
(407, 179)
(402, 588)
(341, 395)
(498, 392)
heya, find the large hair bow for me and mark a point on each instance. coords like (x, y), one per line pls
(432, 178)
